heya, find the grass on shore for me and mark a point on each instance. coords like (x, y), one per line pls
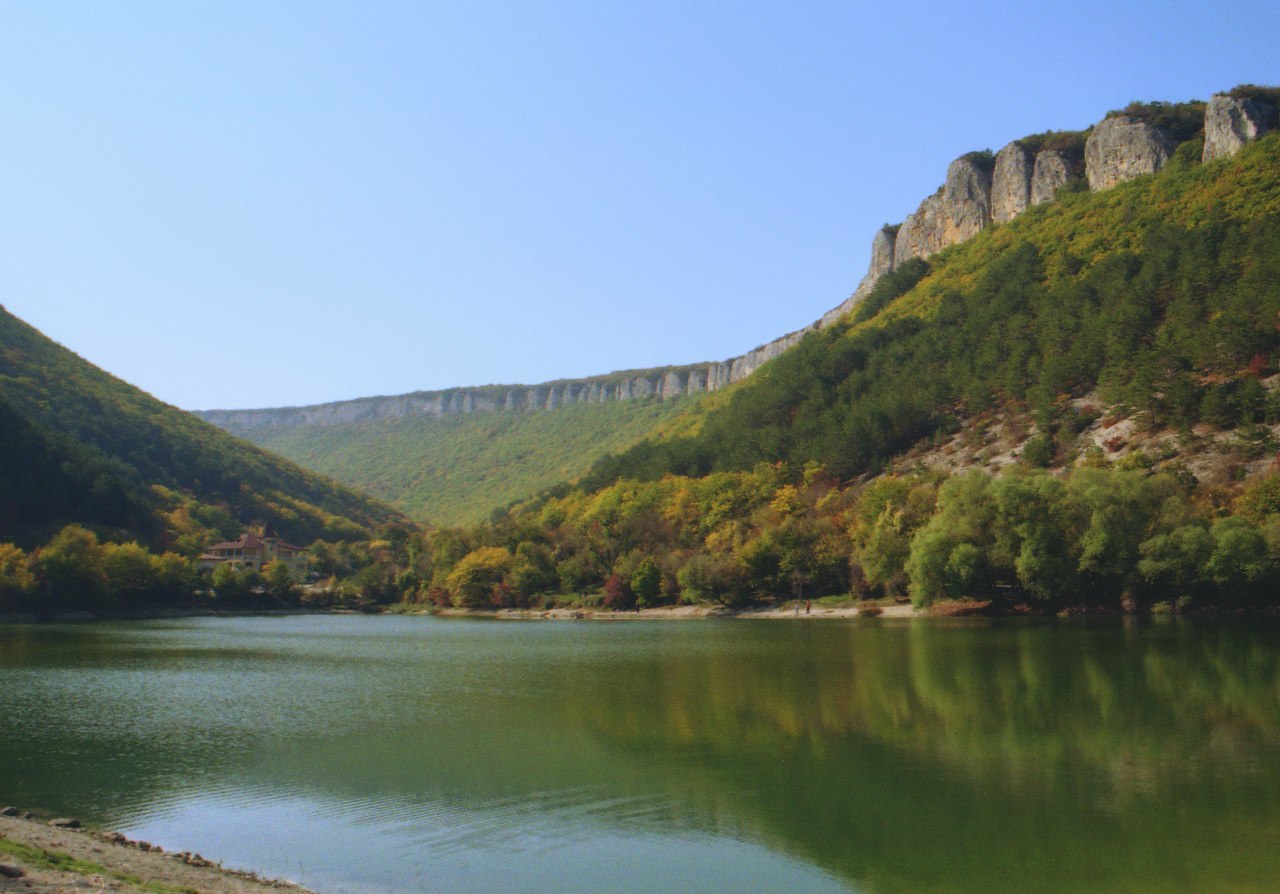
(38, 858)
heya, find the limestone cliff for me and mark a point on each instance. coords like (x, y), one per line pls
(664, 383)
(954, 213)
(1230, 122)
(978, 191)
(1053, 168)
(966, 197)
(1011, 182)
(882, 251)
(1122, 147)
(921, 233)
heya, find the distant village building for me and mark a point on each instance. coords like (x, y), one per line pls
(255, 549)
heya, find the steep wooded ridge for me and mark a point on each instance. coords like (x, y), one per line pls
(402, 449)
(81, 446)
(979, 189)
(1156, 288)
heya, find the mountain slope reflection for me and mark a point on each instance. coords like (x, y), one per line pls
(957, 757)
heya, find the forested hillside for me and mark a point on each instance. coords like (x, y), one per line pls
(458, 469)
(1161, 293)
(81, 446)
(1124, 341)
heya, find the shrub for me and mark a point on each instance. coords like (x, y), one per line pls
(618, 595)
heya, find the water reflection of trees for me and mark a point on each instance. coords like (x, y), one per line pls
(903, 757)
(978, 757)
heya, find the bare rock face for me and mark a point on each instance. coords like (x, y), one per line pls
(741, 367)
(717, 375)
(660, 384)
(882, 252)
(953, 214)
(882, 262)
(1011, 183)
(921, 233)
(1121, 148)
(1052, 169)
(966, 201)
(1229, 123)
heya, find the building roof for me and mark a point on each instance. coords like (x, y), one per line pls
(251, 541)
(246, 541)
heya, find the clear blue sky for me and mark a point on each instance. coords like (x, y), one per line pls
(260, 204)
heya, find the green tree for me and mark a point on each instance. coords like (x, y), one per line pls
(17, 583)
(473, 579)
(280, 583)
(646, 582)
(710, 577)
(234, 586)
(965, 518)
(1239, 562)
(1174, 563)
(133, 574)
(533, 571)
(1260, 498)
(72, 569)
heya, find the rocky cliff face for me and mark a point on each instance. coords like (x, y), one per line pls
(662, 384)
(1011, 182)
(882, 251)
(957, 211)
(1229, 123)
(921, 233)
(974, 195)
(1121, 148)
(1053, 168)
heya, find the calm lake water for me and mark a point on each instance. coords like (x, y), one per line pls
(381, 754)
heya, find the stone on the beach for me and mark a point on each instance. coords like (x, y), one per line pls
(9, 811)
(65, 823)
(8, 871)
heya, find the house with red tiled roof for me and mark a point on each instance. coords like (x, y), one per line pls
(254, 549)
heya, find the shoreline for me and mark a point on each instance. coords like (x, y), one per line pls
(970, 608)
(786, 611)
(52, 856)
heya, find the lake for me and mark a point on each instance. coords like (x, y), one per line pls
(405, 754)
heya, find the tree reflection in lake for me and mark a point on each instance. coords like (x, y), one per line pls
(958, 756)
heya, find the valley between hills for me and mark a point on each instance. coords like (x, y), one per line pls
(1054, 389)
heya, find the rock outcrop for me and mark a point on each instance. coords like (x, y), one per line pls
(1229, 123)
(1011, 182)
(975, 194)
(956, 212)
(882, 251)
(882, 262)
(966, 198)
(662, 384)
(1121, 148)
(921, 233)
(1053, 168)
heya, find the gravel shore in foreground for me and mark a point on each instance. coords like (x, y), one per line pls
(57, 857)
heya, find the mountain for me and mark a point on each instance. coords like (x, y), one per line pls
(442, 470)
(1076, 408)
(457, 469)
(1057, 389)
(82, 446)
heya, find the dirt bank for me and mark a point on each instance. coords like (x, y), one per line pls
(816, 611)
(37, 858)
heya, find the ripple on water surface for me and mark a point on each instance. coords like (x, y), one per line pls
(414, 754)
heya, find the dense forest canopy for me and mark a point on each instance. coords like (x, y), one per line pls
(82, 446)
(1151, 309)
